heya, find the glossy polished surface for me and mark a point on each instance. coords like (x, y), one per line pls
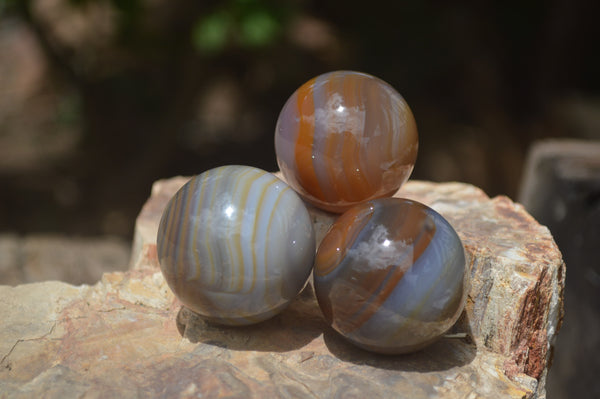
(390, 275)
(236, 245)
(345, 137)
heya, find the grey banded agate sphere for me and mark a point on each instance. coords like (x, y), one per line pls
(390, 275)
(236, 245)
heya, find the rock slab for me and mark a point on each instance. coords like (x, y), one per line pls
(127, 336)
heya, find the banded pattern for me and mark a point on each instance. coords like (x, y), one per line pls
(345, 137)
(236, 244)
(390, 275)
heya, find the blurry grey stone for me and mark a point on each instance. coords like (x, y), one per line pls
(11, 272)
(73, 260)
(561, 188)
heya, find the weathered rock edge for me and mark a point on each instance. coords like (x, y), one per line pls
(128, 336)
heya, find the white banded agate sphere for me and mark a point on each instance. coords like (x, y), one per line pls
(236, 245)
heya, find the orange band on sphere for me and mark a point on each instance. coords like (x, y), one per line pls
(304, 144)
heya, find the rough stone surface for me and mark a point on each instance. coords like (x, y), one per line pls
(127, 336)
(561, 188)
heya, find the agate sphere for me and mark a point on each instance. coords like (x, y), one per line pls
(390, 275)
(236, 245)
(345, 137)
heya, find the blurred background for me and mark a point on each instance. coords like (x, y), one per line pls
(99, 98)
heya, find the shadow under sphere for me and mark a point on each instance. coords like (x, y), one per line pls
(443, 354)
(293, 328)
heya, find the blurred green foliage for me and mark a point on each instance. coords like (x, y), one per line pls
(231, 23)
(243, 23)
(69, 111)
(211, 32)
(4, 4)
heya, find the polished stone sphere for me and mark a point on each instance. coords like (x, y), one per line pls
(345, 137)
(390, 275)
(236, 245)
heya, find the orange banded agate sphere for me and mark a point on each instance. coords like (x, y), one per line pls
(390, 275)
(345, 137)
